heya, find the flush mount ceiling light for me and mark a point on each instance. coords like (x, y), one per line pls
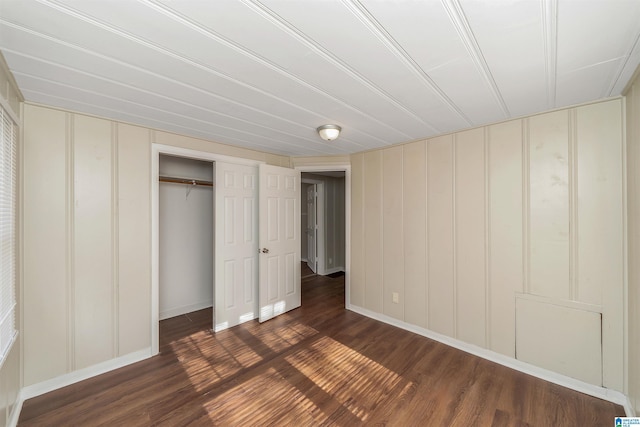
(329, 132)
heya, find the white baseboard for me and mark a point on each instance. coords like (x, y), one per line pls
(553, 377)
(83, 374)
(628, 408)
(177, 311)
(333, 270)
(73, 377)
(15, 411)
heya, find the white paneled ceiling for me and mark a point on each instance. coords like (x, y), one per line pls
(264, 74)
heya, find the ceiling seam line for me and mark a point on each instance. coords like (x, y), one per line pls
(143, 70)
(622, 67)
(461, 24)
(146, 71)
(258, 58)
(162, 50)
(207, 137)
(174, 124)
(395, 48)
(275, 19)
(173, 113)
(159, 49)
(133, 115)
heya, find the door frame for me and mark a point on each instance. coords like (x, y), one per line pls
(319, 221)
(346, 168)
(156, 150)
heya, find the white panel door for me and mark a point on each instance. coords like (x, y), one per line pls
(279, 286)
(236, 245)
(312, 229)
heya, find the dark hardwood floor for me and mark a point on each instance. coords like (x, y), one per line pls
(316, 365)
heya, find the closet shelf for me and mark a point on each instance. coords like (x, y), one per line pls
(187, 181)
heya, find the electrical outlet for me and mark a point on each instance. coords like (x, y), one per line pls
(396, 298)
(330, 261)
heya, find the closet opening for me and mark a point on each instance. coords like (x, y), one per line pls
(186, 239)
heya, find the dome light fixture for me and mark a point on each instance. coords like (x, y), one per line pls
(329, 132)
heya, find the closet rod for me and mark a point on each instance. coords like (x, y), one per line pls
(185, 181)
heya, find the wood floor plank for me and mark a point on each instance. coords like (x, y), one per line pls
(317, 365)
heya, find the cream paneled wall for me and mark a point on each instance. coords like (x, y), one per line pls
(463, 226)
(87, 238)
(392, 228)
(86, 242)
(505, 248)
(633, 221)
(441, 290)
(414, 228)
(372, 222)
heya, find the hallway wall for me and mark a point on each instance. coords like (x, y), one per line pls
(334, 221)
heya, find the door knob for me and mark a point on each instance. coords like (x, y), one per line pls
(265, 250)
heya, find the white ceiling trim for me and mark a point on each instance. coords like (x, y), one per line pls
(135, 118)
(72, 46)
(460, 23)
(253, 56)
(176, 101)
(327, 56)
(394, 47)
(245, 52)
(282, 146)
(263, 74)
(335, 148)
(177, 56)
(101, 112)
(621, 79)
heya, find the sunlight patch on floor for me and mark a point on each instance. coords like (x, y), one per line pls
(207, 361)
(277, 403)
(281, 337)
(345, 374)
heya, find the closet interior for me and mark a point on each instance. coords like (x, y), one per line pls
(186, 235)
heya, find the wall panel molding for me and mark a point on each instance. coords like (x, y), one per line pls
(632, 243)
(415, 233)
(47, 266)
(358, 283)
(506, 232)
(93, 240)
(548, 211)
(487, 236)
(373, 242)
(573, 209)
(525, 207)
(70, 242)
(454, 236)
(526, 227)
(470, 237)
(87, 239)
(393, 270)
(115, 238)
(440, 232)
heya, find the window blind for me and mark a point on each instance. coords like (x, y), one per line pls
(9, 134)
